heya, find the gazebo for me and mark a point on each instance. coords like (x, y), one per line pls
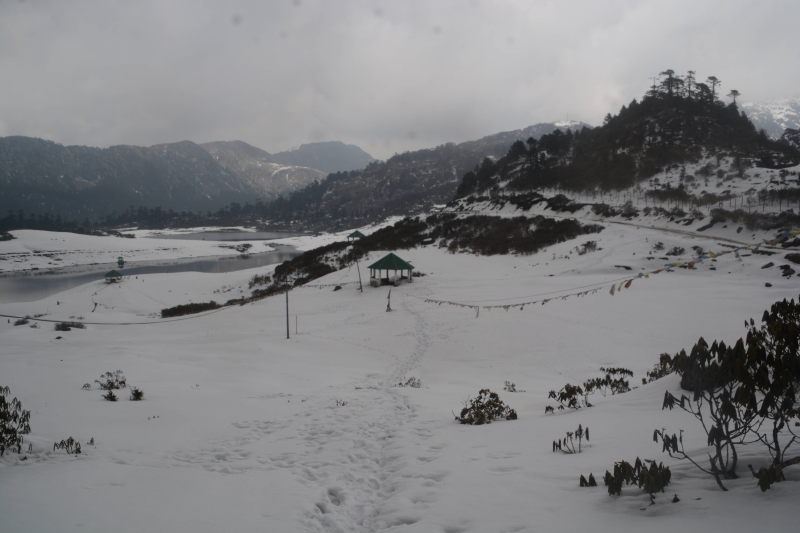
(355, 236)
(113, 276)
(390, 263)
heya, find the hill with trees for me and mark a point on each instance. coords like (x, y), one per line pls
(680, 120)
(42, 177)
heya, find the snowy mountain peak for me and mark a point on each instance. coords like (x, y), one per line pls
(774, 116)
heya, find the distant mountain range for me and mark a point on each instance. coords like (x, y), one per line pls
(774, 116)
(76, 182)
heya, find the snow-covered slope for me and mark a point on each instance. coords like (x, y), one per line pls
(243, 429)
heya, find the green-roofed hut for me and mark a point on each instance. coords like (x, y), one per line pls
(113, 276)
(380, 272)
(355, 236)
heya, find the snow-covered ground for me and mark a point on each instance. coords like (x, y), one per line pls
(242, 429)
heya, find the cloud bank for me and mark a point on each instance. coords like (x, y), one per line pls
(389, 76)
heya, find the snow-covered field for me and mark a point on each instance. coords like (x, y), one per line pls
(242, 429)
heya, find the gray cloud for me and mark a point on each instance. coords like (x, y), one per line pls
(386, 75)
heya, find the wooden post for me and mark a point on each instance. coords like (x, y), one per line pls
(360, 286)
(287, 312)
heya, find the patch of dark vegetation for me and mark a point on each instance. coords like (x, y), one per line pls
(413, 382)
(6, 236)
(561, 203)
(614, 381)
(753, 220)
(484, 408)
(780, 195)
(69, 445)
(572, 442)
(679, 195)
(14, 422)
(793, 257)
(523, 201)
(629, 211)
(188, 309)
(260, 279)
(110, 396)
(242, 248)
(486, 235)
(68, 326)
(676, 250)
(707, 226)
(110, 381)
(650, 479)
(670, 194)
(604, 210)
(663, 368)
(137, 394)
(587, 247)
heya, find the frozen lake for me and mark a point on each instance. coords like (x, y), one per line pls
(33, 285)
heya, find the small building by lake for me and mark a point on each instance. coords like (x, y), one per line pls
(356, 235)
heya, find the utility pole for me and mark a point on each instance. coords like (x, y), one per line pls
(287, 311)
(360, 286)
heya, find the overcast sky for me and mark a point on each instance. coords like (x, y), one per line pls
(388, 76)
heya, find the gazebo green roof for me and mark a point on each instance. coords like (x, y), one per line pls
(113, 274)
(391, 262)
(356, 235)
